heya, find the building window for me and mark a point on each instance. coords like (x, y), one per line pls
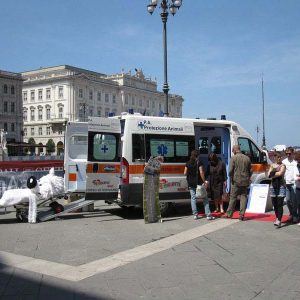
(106, 98)
(40, 131)
(25, 131)
(5, 126)
(99, 112)
(5, 106)
(114, 98)
(153, 104)
(5, 89)
(40, 94)
(60, 112)
(80, 93)
(25, 96)
(48, 93)
(40, 113)
(48, 113)
(12, 90)
(106, 112)
(99, 96)
(60, 92)
(148, 103)
(12, 107)
(32, 95)
(114, 112)
(91, 95)
(91, 112)
(25, 115)
(32, 115)
(48, 131)
(126, 99)
(12, 127)
(60, 132)
(32, 131)
(140, 102)
(133, 100)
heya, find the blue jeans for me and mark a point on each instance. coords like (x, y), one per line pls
(194, 203)
(291, 199)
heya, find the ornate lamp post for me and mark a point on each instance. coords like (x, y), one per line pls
(166, 7)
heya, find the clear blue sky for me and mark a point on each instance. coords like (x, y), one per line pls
(217, 52)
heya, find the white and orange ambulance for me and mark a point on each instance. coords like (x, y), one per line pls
(118, 148)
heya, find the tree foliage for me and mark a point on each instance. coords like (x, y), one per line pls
(50, 146)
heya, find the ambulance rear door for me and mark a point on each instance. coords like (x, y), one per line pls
(75, 157)
(103, 166)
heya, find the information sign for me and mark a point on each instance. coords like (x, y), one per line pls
(258, 196)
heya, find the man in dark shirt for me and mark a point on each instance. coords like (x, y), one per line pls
(240, 174)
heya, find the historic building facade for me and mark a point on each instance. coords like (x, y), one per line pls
(52, 96)
(11, 108)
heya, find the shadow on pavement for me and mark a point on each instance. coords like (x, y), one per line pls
(35, 286)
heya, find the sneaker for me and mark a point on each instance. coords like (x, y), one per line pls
(298, 224)
(277, 223)
(196, 217)
(209, 218)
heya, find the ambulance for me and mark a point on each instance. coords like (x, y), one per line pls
(117, 148)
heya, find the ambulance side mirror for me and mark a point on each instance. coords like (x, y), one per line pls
(263, 157)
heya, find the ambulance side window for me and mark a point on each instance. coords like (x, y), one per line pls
(174, 148)
(255, 153)
(249, 148)
(78, 147)
(138, 147)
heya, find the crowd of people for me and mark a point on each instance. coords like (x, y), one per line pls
(284, 184)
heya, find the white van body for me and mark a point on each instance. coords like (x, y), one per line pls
(118, 150)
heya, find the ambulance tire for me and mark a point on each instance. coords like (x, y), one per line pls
(165, 208)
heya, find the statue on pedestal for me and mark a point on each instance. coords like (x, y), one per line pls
(3, 149)
(3, 139)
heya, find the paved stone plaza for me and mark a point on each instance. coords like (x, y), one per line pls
(112, 254)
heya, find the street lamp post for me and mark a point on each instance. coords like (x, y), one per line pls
(263, 114)
(166, 8)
